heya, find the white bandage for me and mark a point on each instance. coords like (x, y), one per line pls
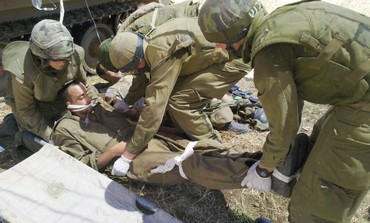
(177, 160)
(278, 175)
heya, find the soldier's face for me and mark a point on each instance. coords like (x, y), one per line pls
(78, 95)
(58, 64)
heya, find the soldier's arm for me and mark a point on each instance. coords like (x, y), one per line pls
(278, 95)
(137, 14)
(31, 118)
(71, 145)
(137, 89)
(158, 92)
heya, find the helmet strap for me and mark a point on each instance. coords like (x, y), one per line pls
(138, 56)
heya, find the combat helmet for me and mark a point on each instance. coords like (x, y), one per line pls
(104, 54)
(126, 51)
(51, 40)
(227, 21)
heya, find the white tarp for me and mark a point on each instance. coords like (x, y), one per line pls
(51, 186)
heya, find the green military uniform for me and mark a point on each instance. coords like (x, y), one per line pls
(3, 77)
(75, 135)
(143, 21)
(157, 16)
(321, 57)
(211, 165)
(186, 72)
(34, 91)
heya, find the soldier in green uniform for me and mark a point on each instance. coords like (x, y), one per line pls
(37, 70)
(186, 73)
(153, 14)
(143, 20)
(146, 18)
(313, 51)
(96, 134)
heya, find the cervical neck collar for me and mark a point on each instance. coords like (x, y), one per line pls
(77, 108)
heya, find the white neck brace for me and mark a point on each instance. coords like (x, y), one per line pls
(77, 108)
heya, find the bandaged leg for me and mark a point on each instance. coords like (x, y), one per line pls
(177, 161)
(285, 177)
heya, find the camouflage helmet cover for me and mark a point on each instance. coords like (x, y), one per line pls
(51, 40)
(104, 54)
(227, 21)
(126, 51)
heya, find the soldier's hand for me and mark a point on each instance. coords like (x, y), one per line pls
(121, 166)
(139, 104)
(260, 180)
(121, 106)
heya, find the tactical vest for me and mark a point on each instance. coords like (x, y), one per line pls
(340, 73)
(177, 34)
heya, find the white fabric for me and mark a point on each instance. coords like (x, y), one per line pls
(51, 141)
(177, 161)
(77, 108)
(253, 180)
(278, 175)
(121, 166)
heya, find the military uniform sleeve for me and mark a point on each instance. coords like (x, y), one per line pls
(71, 145)
(278, 95)
(162, 82)
(129, 24)
(137, 89)
(31, 118)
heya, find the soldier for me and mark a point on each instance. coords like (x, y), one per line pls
(145, 19)
(3, 77)
(186, 73)
(96, 134)
(38, 69)
(153, 14)
(313, 51)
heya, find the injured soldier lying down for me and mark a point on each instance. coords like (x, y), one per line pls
(96, 134)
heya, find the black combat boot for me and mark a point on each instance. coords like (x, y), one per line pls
(285, 177)
(9, 126)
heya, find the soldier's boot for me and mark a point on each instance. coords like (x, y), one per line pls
(285, 177)
(28, 144)
(237, 127)
(9, 126)
(22, 153)
(262, 220)
(259, 114)
(31, 141)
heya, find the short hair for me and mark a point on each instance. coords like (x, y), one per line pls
(63, 93)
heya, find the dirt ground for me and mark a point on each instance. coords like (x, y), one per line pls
(193, 203)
